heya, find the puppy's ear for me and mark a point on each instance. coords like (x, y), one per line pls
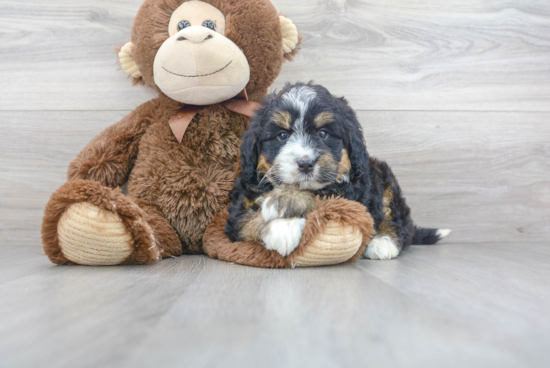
(354, 142)
(250, 150)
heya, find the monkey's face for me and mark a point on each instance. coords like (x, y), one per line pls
(206, 52)
(197, 64)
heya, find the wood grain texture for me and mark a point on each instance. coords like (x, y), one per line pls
(460, 305)
(484, 175)
(398, 55)
(453, 94)
(426, 55)
(60, 55)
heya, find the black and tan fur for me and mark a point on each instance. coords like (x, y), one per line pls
(342, 167)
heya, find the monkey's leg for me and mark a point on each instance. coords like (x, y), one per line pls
(165, 236)
(85, 223)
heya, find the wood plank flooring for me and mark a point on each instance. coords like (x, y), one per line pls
(452, 305)
(453, 94)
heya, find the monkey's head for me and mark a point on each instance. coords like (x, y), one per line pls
(205, 52)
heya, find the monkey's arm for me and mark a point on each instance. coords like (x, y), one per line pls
(110, 156)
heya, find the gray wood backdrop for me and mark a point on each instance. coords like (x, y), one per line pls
(455, 95)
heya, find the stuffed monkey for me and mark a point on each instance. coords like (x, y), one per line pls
(210, 61)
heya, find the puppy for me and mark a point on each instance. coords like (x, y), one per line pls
(303, 143)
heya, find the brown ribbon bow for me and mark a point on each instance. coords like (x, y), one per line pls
(240, 105)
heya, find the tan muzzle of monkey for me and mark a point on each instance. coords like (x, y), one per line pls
(198, 66)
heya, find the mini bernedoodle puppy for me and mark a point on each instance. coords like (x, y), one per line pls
(303, 143)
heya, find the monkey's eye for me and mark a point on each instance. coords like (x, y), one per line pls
(183, 24)
(323, 134)
(209, 24)
(283, 136)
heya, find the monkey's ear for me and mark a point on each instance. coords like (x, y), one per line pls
(126, 58)
(291, 37)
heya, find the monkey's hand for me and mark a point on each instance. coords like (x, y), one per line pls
(285, 203)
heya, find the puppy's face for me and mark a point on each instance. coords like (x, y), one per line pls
(302, 140)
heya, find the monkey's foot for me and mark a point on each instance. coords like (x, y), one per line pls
(90, 236)
(85, 223)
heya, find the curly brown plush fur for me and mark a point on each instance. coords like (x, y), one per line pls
(174, 190)
(189, 182)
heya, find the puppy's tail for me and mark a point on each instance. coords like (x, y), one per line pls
(424, 236)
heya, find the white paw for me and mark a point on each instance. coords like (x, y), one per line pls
(284, 235)
(381, 247)
(269, 210)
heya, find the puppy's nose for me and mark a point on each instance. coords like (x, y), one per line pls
(195, 34)
(306, 166)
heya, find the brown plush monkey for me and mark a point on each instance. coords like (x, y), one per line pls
(178, 152)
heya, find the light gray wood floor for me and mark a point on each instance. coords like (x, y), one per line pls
(455, 95)
(452, 305)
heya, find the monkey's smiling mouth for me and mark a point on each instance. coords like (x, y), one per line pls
(198, 75)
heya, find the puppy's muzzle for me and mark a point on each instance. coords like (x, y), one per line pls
(306, 166)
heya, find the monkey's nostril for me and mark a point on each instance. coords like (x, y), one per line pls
(209, 37)
(182, 38)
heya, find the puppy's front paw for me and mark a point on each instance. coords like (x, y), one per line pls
(270, 209)
(287, 203)
(284, 235)
(381, 247)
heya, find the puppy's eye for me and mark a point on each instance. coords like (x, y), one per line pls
(323, 134)
(283, 136)
(209, 24)
(183, 24)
